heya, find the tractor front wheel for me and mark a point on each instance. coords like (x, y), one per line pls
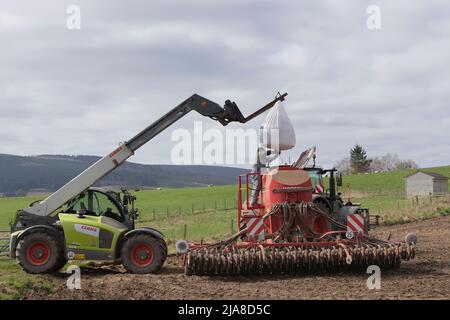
(39, 252)
(142, 253)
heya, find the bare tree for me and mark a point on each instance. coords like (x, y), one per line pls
(406, 164)
(389, 161)
(343, 165)
(376, 165)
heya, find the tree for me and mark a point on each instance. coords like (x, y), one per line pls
(376, 165)
(406, 164)
(388, 162)
(358, 160)
(343, 166)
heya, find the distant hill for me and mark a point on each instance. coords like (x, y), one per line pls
(44, 173)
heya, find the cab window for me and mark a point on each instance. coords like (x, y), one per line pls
(81, 204)
(103, 206)
(96, 204)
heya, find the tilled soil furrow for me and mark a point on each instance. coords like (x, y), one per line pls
(425, 277)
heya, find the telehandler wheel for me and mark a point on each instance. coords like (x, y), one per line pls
(61, 263)
(39, 252)
(142, 253)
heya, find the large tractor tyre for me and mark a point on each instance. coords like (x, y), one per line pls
(39, 252)
(143, 253)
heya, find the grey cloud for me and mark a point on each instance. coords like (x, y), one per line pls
(81, 92)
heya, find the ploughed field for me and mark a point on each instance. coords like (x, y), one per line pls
(425, 277)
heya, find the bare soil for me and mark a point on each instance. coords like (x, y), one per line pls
(425, 277)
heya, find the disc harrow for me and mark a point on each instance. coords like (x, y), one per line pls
(295, 259)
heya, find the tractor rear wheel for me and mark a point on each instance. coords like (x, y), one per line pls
(39, 252)
(142, 253)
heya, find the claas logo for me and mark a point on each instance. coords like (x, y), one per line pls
(112, 154)
(89, 228)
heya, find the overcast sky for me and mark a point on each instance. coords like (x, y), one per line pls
(83, 91)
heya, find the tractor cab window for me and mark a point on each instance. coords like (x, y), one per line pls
(95, 203)
(103, 206)
(81, 204)
(321, 180)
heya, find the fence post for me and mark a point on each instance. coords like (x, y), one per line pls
(179, 210)
(185, 232)
(167, 212)
(153, 215)
(225, 204)
(232, 226)
(192, 209)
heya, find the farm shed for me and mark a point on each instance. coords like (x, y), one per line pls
(422, 183)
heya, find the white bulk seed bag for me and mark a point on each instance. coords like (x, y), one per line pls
(277, 131)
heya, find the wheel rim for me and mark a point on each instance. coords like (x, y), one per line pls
(38, 253)
(142, 255)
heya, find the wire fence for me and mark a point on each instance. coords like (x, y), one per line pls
(191, 209)
(4, 242)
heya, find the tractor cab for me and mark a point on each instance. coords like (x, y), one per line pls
(99, 202)
(316, 175)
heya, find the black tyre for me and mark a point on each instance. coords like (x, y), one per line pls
(142, 253)
(39, 252)
(61, 263)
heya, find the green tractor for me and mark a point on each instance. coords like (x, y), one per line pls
(330, 199)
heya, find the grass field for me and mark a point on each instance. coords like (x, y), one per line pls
(9, 206)
(385, 182)
(13, 281)
(384, 194)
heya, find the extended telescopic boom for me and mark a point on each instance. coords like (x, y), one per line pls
(229, 113)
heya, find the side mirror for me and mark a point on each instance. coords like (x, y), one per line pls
(339, 180)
